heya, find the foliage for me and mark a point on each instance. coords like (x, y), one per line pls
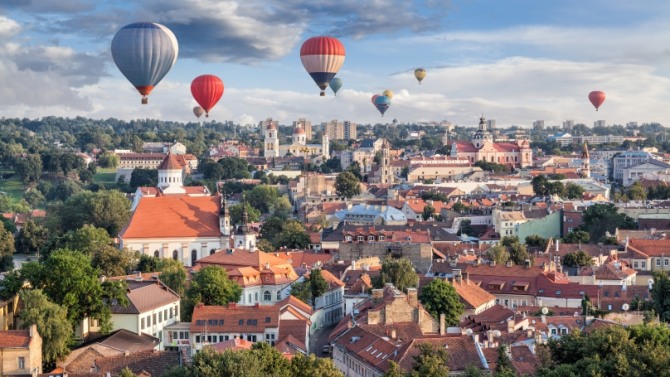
(492, 166)
(29, 168)
(126, 372)
(537, 241)
(293, 236)
(466, 228)
(400, 272)
(52, 324)
(173, 274)
(310, 366)
(143, 178)
(148, 263)
(504, 363)
(31, 238)
(573, 191)
(347, 184)
(108, 160)
(439, 297)
(498, 254)
(428, 212)
(265, 246)
(577, 259)
(602, 218)
(317, 285)
(394, 370)
(636, 191)
(302, 290)
(108, 209)
(577, 236)
(7, 249)
(517, 251)
(430, 362)
(660, 295)
(262, 197)
(68, 278)
(211, 286)
(111, 261)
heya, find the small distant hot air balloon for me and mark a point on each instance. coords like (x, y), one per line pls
(419, 73)
(597, 98)
(322, 57)
(335, 84)
(207, 91)
(388, 93)
(144, 52)
(382, 103)
(198, 111)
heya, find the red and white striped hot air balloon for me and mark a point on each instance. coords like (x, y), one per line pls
(322, 57)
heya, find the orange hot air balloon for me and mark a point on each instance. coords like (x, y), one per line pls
(207, 91)
(597, 98)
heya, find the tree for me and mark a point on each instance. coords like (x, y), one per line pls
(68, 278)
(636, 191)
(517, 252)
(262, 197)
(31, 238)
(7, 249)
(272, 226)
(394, 370)
(265, 246)
(148, 263)
(466, 228)
(108, 160)
(498, 254)
(143, 178)
(211, 286)
(29, 168)
(660, 295)
(399, 272)
(311, 366)
(302, 290)
(430, 362)
(578, 259)
(601, 218)
(504, 365)
(126, 372)
(111, 261)
(537, 241)
(428, 212)
(293, 236)
(34, 197)
(439, 297)
(577, 236)
(347, 184)
(173, 274)
(88, 239)
(51, 321)
(108, 209)
(573, 191)
(317, 285)
(540, 185)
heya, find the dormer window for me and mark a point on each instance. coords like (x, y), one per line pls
(347, 238)
(371, 238)
(381, 238)
(361, 238)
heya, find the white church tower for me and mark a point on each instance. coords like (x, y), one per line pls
(271, 140)
(171, 175)
(244, 238)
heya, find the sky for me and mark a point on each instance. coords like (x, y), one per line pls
(515, 61)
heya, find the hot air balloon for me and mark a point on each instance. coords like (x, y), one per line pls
(374, 97)
(597, 98)
(419, 73)
(198, 111)
(144, 52)
(322, 57)
(207, 91)
(388, 93)
(382, 103)
(335, 84)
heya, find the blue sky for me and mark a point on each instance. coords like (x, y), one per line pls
(514, 61)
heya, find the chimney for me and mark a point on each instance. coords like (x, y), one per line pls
(443, 324)
(458, 278)
(393, 334)
(377, 294)
(412, 296)
(557, 244)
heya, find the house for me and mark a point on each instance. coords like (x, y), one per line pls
(648, 255)
(151, 307)
(264, 278)
(329, 307)
(20, 352)
(390, 326)
(212, 324)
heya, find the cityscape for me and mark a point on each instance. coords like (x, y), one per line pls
(263, 188)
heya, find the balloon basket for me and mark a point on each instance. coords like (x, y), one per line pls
(145, 100)
(322, 94)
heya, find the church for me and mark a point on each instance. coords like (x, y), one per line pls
(174, 221)
(483, 148)
(298, 147)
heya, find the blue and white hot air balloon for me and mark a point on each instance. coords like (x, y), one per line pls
(144, 52)
(335, 84)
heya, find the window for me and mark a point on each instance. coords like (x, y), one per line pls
(160, 317)
(22, 363)
(194, 256)
(157, 254)
(154, 319)
(175, 254)
(212, 251)
(360, 238)
(665, 261)
(658, 262)
(643, 264)
(371, 238)
(381, 238)
(267, 296)
(278, 295)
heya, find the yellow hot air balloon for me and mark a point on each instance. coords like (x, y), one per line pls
(388, 93)
(419, 73)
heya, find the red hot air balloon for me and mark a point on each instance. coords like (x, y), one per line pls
(207, 91)
(597, 98)
(322, 57)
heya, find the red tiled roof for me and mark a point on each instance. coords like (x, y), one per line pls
(464, 146)
(174, 216)
(14, 338)
(170, 162)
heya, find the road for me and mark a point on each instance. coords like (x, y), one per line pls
(319, 339)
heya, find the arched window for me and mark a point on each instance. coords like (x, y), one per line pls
(212, 251)
(157, 254)
(267, 296)
(194, 256)
(175, 255)
(278, 295)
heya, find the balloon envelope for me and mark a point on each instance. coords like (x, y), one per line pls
(419, 73)
(144, 52)
(597, 98)
(388, 93)
(207, 91)
(322, 57)
(382, 103)
(335, 84)
(198, 111)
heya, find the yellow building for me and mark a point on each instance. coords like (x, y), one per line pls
(21, 352)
